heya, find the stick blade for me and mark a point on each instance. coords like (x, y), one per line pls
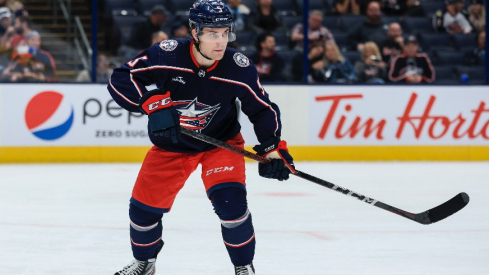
(444, 210)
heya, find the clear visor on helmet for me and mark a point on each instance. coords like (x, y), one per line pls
(217, 35)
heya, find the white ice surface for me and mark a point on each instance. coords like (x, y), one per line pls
(73, 219)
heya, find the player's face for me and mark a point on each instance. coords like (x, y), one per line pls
(213, 42)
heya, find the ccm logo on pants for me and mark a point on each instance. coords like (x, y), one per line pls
(218, 170)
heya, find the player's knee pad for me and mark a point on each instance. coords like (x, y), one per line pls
(229, 203)
(236, 224)
(145, 231)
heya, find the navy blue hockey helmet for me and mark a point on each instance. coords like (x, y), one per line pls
(211, 14)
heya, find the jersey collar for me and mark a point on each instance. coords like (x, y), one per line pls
(197, 64)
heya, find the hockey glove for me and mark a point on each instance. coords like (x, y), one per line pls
(281, 163)
(163, 117)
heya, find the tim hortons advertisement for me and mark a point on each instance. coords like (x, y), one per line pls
(399, 115)
(67, 115)
(86, 115)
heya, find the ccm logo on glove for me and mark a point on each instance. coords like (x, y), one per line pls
(163, 117)
(162, 101)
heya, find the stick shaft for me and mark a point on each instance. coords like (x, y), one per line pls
(440, 212)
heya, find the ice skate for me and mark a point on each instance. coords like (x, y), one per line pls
(245, 270)
(139, 268)
(136, 267)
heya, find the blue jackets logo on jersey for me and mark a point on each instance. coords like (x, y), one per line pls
(195, 115)
(241, 60)
(168, 45)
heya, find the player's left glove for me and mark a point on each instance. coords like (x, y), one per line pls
(281, 162)
(163, 117)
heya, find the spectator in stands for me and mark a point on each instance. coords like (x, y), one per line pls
(371, 69)
(7, 30)
(392, 46)
(158, 36)
(315, 54)
(370, 30)
(318, 34)
(477, 15)
(141, 33)
(452, 20)
(402, 8)
(17, 7)
(268, 63)
(180, 29)
(392, 7)
(478, 55)
(347, 6)
(104, 71)
(411, 66)
(334, 67)
(240, 13)
(413, 8)
(264, 17)
(30, 63)
(23, 26)
(6, 34)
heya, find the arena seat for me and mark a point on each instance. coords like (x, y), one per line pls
(454, 58)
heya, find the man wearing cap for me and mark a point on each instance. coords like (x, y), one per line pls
(411, 66)
(452, 20)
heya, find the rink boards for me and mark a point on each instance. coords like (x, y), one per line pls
(81, 123)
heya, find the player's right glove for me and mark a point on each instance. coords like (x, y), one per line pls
(281, 163)
(163, 117)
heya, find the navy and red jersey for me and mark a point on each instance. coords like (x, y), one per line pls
(204, 97)
(402, 67)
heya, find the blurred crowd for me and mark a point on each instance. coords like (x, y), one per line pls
(349, 41)
(21, 56)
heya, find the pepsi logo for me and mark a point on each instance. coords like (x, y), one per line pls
(48, 116)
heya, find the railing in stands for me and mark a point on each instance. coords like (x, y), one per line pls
(86, 59)
(66, 10)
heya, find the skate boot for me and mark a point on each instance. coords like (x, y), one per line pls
(245, 270)
(136, 267)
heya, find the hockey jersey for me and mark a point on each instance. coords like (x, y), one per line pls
(204, 97)
(402, 67)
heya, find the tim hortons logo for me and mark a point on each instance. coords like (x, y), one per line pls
(432, 125)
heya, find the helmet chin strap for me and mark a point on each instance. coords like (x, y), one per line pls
(197, 45)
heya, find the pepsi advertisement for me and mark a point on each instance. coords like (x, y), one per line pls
(67, 115)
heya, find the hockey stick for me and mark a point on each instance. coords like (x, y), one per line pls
(433, 215)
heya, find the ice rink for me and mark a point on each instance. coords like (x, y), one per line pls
(73, 219)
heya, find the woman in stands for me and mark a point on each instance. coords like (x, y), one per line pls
(334, 67)
(371, 69)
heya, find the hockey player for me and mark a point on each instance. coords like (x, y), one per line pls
(198, 81)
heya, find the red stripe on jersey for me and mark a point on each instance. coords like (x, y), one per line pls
(121, 95)
(136, 85)
(253, 93)
(162, 67)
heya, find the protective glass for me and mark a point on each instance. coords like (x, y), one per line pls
(214, 36)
